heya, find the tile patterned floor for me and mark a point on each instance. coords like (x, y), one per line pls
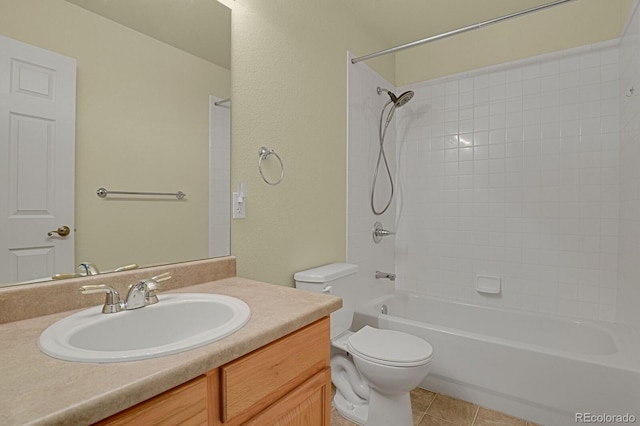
(434, 409)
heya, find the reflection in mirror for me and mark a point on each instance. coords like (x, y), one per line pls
(147, 78)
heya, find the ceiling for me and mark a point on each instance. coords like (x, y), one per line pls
(398, 22)
(189, 25)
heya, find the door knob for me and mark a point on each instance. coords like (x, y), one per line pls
(63, 231)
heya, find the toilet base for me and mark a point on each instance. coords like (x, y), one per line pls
(390, 409)
(387, 410)
(354, 412)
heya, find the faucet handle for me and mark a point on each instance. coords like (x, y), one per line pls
(112, 301)
(379, 232)
(126, 267)
(161, 277)
(153, 286)
(151, 297)
(143, 293)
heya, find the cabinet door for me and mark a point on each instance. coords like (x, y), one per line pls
(185, 405)
(307, 405)
(252, 383)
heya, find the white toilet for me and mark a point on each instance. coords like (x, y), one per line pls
(372, 369)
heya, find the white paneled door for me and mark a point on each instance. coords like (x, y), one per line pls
(37, 149)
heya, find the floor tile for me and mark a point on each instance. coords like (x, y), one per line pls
(338, 420)
(428, 420)
(454, 410)
(486, 417)
(421, 399)
(433, 409)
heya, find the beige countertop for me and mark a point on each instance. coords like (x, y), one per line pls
(38, 389)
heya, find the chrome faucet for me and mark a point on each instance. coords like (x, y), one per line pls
(385, 275)
(139, 295)
(87, 268)
(144, 292)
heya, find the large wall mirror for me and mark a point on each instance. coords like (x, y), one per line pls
(147, 76)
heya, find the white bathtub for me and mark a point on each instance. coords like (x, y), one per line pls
(538, 367)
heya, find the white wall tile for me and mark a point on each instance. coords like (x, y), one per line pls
(523, 195)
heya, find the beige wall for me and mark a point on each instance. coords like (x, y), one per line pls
(289, 93)
(142, 124)
(569, 25)
(289, 61)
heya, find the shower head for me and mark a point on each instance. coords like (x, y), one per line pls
(404, 98)
(398, 101)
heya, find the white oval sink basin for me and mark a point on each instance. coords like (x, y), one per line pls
(178, 322)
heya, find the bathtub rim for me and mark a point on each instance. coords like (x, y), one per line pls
(625, 337)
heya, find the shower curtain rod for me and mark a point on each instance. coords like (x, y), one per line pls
(224, 101)
(458, 31)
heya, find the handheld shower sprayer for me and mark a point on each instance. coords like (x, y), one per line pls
(395, 102)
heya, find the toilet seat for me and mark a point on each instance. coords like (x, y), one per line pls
(389, 347)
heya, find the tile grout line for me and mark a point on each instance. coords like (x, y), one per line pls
(428, 406)
(475, 416)
(432, 400)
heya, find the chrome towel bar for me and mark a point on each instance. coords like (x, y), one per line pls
(102, 193)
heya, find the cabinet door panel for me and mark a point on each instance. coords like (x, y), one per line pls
(255, 381)
(307, 405)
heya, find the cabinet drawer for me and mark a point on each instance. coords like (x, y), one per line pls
(183, 405)
(251, 383)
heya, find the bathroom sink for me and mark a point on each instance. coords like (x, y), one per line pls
(178, 322)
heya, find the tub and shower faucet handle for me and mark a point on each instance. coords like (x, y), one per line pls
(385, 275)
(379, 232)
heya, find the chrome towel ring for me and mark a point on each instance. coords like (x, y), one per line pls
(264, 152)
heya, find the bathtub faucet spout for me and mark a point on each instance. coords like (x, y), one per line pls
(385, 275)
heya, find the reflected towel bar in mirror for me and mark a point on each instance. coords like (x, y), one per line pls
(102, 193)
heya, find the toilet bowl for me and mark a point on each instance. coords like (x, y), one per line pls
(388, 365)
(372, 369)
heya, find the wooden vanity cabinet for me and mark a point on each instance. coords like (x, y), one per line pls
(287, 382)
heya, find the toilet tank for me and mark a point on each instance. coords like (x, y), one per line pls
(337, 279)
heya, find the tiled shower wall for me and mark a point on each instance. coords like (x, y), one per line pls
(629, 252)
(513, 171)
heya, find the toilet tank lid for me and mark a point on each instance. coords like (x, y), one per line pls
(326, 273)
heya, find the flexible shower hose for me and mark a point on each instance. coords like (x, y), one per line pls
(382, 157)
